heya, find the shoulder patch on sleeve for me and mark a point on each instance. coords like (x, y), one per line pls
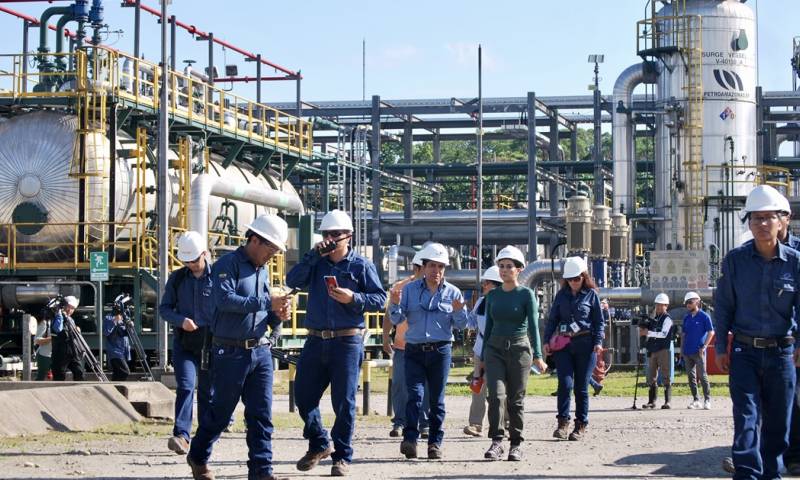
(222, 275)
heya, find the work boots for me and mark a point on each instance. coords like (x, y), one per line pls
(651, 397)
(579, 431)
(667, 397)
(199, 472)
(562, 432)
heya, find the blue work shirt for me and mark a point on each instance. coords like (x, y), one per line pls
(696, 329)
(583, 309)
(430, 316)
(353, 272)
(58, 321)
(241, 298)
(118, 345)
(755, 296)
(187, 296)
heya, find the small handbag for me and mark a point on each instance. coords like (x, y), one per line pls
(559, 342)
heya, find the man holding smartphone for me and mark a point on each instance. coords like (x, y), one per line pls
(342, 286)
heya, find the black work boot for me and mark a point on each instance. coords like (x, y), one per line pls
(667, 397)
(562, 432)
(651, 397)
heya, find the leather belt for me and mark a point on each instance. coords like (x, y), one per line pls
(577, 334)
(248, 344)
(757, 342)
(429, 346)
(328, 334)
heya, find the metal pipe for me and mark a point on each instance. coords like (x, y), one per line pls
(172, 44)
(62, 22)
(161, 199)
(258, 80)
(137, 27)
(206, 185)
(532, 180)
(26, 25)
(624, 194)
(43, 21)
(479, 203)
(375, 154)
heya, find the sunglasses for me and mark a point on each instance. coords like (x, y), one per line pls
(334, 233)
(574, 279)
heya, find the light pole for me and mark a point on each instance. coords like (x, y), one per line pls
(599, 182)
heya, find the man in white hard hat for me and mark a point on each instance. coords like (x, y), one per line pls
(758, 299)
(185, 305)
(698, 333)
(65, 353)
(659, 332)
(342, 286)
(396, 350)
(432, 307)
(242, 365)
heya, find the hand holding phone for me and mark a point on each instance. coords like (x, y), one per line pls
(331, 282)
(327, 247)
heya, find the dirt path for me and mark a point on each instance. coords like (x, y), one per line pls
(621, 444)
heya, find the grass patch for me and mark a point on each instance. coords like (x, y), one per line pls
(145, 428)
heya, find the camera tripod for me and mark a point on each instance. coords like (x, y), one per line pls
(137, 346)
(83, 350)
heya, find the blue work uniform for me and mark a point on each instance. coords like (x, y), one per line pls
(334, 360)
(65, 354)
(241, 366)
(187, 296)
(118, 347)
(581, 317)
(757, 300)
(429, 338)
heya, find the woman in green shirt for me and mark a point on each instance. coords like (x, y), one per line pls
(512, 330)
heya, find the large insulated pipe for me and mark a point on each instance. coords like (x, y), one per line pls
(624, 167)
(537, 272)
(206, 185)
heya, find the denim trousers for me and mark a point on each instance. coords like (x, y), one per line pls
(426, 363)
(400, 394)
(574, 366)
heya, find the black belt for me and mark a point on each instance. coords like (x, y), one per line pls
(248, 344)
(328, 334)
(758, 342)
(576, 334)
(429, 346)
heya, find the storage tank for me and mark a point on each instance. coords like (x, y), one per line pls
(729, 110)
(36, 152)
(579, 223)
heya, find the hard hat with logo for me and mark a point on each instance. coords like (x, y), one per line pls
(492, 274)
(662, 298)
(271, 228)
(764, 198)
(336, 220)
(72, 301)
(417, 260)
(511, 253)
(573, 266)
(436, 252)
(190, 246)
(690, 296)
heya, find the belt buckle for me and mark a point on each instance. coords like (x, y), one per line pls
(327, 334)
(427, 347)
(760, 342)
(251, 343)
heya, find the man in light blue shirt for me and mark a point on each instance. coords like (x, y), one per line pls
(432, 308)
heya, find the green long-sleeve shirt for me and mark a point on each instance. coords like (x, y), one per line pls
(513, 314)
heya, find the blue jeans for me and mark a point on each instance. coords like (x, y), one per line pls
(187, 374)
(762, 382)
(400, 394)
(335, 362)
(574, 366)
(246, 374)
(432, 366)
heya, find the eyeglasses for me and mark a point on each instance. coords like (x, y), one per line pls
(334, 233)
(574, 279)
(764, 219)
(506, 265)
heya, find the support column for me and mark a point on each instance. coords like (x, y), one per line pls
(599, 194)
(532, 181)
(408, 191)
(375, 155)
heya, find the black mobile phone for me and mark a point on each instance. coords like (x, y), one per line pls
(329, 246)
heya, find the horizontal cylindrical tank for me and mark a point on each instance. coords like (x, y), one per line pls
(579, 223)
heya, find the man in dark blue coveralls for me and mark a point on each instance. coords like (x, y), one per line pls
(758, 300)
(186, 305)
(333, 350)
(242, 362)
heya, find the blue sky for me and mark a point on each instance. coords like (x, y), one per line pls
(427, 49)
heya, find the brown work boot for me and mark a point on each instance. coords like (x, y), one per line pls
(578, 432)
(409, 449)
(562, 432)
(311, 459)
(473, 430)
(434, 452)
(178, 445)
(199, 472)
(340, 468)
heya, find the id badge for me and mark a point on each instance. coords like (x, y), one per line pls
(562, 328)
(574, 327)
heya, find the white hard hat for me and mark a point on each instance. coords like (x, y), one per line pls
(573, 266)
(511, 253)
(190, 246)
(436, 252)
(336, 220)
(417, 260)
(493, 274)
(271, 228)
(690, 296)
(764, 198)
(72, 301)
(662, 298)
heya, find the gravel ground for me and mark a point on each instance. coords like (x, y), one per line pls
(621, 444)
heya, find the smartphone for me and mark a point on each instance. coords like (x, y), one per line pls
(327, 247)
(331, 282)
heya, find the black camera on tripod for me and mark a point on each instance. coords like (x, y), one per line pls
(643, 320)
(121, 306)
(56, 303)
